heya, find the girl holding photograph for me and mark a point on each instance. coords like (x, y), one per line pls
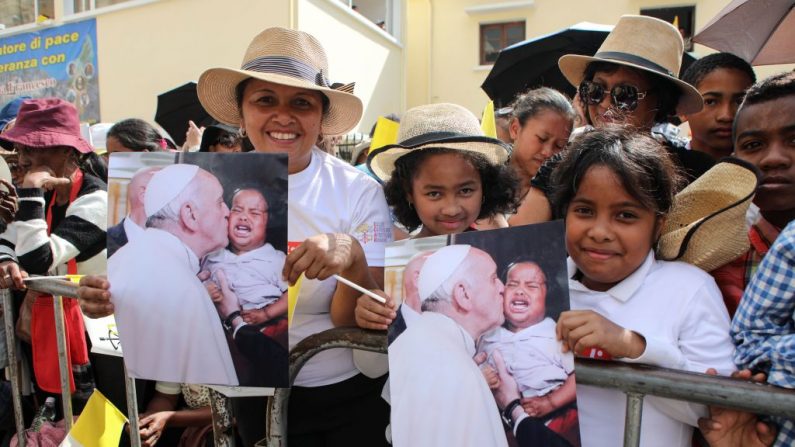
(614, 188)
(440, 178)
(444, 174)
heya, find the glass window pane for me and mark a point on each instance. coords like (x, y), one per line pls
(514, 34)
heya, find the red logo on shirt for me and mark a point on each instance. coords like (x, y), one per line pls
(596, 353)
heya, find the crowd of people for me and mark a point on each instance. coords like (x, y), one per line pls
(606, 162)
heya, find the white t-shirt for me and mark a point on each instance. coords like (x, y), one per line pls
(331, 196)
(679, 310)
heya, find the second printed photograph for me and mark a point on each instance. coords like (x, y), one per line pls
(473, 356)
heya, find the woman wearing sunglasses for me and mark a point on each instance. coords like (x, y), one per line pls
(630, 81)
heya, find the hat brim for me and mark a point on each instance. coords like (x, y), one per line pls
(43, 140)
(381, 161)
(216, 90)
(573, 68)
(719, 236)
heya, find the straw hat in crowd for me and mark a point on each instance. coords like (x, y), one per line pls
(644, 43)
(437, 125)
(706, 225)
(286, 57)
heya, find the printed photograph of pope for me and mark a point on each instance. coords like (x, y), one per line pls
(169, 327)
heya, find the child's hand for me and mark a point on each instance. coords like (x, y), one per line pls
(370, 314)
(734, 428)
(537, 407)
(255, 316)
(489, 373)
(582, 329)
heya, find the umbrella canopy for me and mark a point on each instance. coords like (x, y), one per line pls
(760, 31)
(178, 106)
(534, 62)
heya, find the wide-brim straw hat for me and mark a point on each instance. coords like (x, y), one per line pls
(286, 57)
(706, 226)
(443, 125)
(644, 43)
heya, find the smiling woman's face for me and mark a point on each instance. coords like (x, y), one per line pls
(279, 118)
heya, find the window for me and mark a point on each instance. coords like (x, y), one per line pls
(496, 36)
(683, 17)
(23, 12)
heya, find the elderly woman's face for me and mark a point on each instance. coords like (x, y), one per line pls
(52, 159)
(278, 118)
(606, 112)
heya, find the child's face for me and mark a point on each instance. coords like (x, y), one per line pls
(541, 137)
(248, 219)
(525, 295)
(608, 232)
(447, 194)
(723, 90)
(766, 138)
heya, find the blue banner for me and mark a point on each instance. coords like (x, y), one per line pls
(60, 61)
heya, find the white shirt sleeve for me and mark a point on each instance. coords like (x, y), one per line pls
(167, 387)
(704, 342)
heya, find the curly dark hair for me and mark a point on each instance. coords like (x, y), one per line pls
(667, 92)
(500, 185)
(644, 167)
(769, 89)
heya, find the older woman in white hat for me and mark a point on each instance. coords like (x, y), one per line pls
(339, 222)
(632, 79)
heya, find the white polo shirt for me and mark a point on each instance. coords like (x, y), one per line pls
(680, 312)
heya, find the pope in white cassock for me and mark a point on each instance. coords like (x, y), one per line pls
(439, 395)
(169, 328)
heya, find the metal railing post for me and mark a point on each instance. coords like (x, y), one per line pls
(132, 409)
(13, 365)
(351, 338)
(632, 420)
(63, 363)
(223, 429)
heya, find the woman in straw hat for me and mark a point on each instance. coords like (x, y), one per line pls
(632, 79)
(339, 223)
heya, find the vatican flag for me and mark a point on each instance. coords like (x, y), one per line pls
(99, 425)
(488, 123)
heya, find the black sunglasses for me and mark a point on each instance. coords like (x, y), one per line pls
(625, 97)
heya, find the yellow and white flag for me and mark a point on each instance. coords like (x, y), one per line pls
(99, 425)
(292, 299)
(386, 133)
(488, 123)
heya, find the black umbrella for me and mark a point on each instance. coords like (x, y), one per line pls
(534, 62)
(178, 106)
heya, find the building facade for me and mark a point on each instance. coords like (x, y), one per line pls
(146, 47)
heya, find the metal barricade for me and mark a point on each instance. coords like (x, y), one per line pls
(276, 429)
(636, 381)
(58, 289)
